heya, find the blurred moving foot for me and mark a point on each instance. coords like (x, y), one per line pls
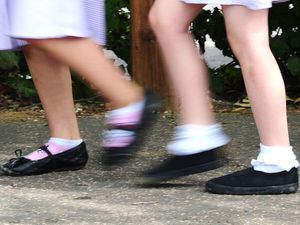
(179, 166)
(125, 133)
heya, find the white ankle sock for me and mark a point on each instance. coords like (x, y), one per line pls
(67, 143)
(55, 146)
(130, 112)
(275, 159)
(191, 139)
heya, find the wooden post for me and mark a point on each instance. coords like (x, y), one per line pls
(147, 65)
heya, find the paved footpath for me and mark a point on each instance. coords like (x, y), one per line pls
(94, 196)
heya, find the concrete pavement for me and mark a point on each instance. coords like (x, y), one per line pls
(95, 196)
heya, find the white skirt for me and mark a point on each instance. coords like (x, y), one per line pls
(43, 19)
(251, 4)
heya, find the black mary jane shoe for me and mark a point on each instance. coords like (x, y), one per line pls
(252, 182)
(115, 156)
(72, 159)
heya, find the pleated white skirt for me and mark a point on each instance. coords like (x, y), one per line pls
(42, 19)
(251, 4)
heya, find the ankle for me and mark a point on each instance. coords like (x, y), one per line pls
(66, 134)
(55, 146)
(191, 139)
(275, 159)
(136, 94)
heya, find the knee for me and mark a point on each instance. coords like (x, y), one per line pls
(247, 46)
(163, 24)
(158, 22)
(153, 20)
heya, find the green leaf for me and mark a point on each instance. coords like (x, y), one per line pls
(293, 65)
(8, 60)
(280, 47)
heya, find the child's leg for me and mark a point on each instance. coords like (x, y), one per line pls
(82, 55)
(52, 80)
(186, 69)
(53, 83)
(198, 135)
(249, 39)
(275, 169)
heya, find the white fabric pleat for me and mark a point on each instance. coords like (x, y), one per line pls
(42, 19)
(251, 4)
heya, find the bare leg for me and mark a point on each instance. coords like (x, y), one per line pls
(198, 138)
(53, 83)
(275, 170)
(187, 71)
(81, 55)
(249, 39)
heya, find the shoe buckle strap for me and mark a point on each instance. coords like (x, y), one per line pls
(18, 153)
(52, 157)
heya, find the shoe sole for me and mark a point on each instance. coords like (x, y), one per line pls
(14, 174)
(180, 173)
(278, 189)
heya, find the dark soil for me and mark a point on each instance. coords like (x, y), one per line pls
(12, 109)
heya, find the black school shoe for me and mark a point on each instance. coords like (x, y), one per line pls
(178, 166)
(115, 156)
(73, 159)
(251, 182)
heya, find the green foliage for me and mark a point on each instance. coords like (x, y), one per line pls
(293, 65)
(284, 41)
(118, 28)
(227, 82)
(8, 61)
(22, 85)
(14, 74)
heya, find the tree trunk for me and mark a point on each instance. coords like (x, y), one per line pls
(147, 65)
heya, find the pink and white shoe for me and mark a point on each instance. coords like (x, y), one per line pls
(125, 134)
